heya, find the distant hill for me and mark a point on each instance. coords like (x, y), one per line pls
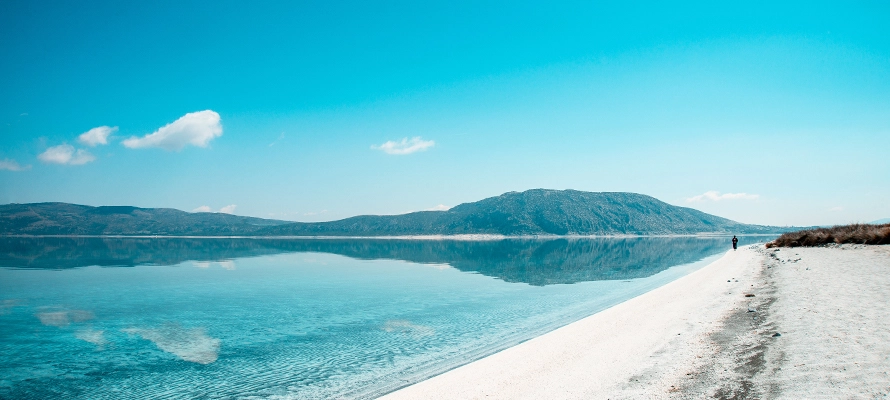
(881, 221)
(533, 212)
(536, 212)
(73, 219)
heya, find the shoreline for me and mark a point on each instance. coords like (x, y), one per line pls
(469, 237)
(756, 323)
(607, 351)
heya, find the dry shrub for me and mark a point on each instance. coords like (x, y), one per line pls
(855, 233)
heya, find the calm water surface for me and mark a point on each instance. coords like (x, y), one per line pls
(262, 318)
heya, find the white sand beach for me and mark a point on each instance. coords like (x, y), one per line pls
(711, 334)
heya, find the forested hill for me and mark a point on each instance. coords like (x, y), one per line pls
(73, 219)
(536, 212)
(533, 212)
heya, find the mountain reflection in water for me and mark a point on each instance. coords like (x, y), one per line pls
(536, 262)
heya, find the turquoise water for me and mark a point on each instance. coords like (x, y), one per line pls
(259, 318)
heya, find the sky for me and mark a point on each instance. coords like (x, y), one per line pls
(759, 112)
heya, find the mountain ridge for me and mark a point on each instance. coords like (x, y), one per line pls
(535, 212)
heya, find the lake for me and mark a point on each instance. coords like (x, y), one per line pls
(109, 318)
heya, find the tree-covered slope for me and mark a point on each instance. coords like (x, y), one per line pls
(536, 212)
(73, 219)
(533, 212)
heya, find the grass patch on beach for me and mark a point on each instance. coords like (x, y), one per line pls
(854, 233)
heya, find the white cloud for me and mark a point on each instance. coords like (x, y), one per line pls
(96, 136)
(11, 165)
(713, 195)
(65, 154)
(405, 146)
(229, 209)
(838, 208)
(440, 207)
(196, 129)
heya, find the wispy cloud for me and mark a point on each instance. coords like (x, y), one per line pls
(66, 154)
(835, 209)
(196, 129)
(716, 196)
(440, 207)
(405, 146)
(7, 164)
(96, 136)
(280, 137)
(202, 209)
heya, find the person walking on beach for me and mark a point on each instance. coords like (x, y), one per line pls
(735, 241)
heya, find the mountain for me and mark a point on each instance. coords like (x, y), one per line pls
(881, 221)
(533, 212)
(73, 219)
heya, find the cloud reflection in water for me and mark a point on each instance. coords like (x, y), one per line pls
(90, 335)
(407, 328)
(189, 344)
(64, 318)
(7, 305)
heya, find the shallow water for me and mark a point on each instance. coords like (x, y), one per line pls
(263, 318)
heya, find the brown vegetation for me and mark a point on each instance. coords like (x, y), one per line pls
(855, 233)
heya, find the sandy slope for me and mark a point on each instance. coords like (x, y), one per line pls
(832, 308)
(702, 337)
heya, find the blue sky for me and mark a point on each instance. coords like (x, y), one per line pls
(762, 113)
